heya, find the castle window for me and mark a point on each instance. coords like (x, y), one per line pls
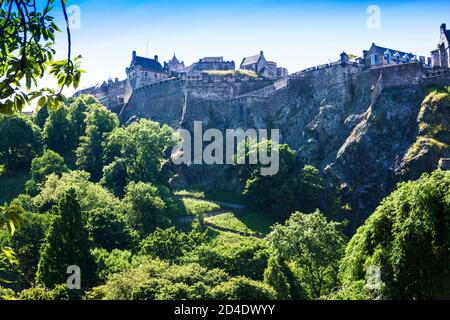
(373, 59)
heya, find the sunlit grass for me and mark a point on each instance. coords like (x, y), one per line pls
(240, 72)
(195, 207)
(228, 220)
(190, 193)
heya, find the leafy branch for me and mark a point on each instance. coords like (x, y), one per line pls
(27, 38)
(10, 218)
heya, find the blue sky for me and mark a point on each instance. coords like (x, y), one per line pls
(295, 34)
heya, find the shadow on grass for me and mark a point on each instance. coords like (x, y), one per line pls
(257, 221)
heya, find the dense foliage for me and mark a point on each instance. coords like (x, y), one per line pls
(21, 141)
(103, 203)
(66, 245)
(28, 33)
(296, 190)
(403, 250)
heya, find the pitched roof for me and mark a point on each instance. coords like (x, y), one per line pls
(401, 53)
(251, 60)
(148, 64)
(174, 60)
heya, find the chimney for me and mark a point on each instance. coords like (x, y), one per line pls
(261, 53)
(443, 28)
(116, 80)
(156, 58)
(134, 55)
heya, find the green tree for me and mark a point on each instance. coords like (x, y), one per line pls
(153, 279)
(91, 196)
(314, 246)
(247, 257)
(78, 111)
(99, 123)
(275, 277)
(311, 191)
(108, 230)
(59, 293)
(20, 142)
(109, 263)
(146, 209)
(58, 131)
(50, 162)
(241, 288)
(259, 190)
(115, 177)
(402, 251)
(66, 244)
(27, 242)
(40, 116)
(142, 146)
(28, 34)
(166, 244)
(295, 190)
(10, 219)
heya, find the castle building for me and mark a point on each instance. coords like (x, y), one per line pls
(174, 66)
(378, 56)
(143, 71)
(441, 56)
(257, 64)
(262, 67)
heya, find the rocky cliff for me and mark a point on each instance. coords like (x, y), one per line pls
(365, 129)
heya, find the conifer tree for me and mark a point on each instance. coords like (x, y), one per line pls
(66, 245)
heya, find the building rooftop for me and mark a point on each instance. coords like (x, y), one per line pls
(251, 60)
(147, 63)
(393, 51)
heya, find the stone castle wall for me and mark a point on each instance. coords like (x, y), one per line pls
(251, 102)
(161, 101)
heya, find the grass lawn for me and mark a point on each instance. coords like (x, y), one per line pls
(244, 221)
(194, 206)
(221, 196)
(12, 184)
(228, 220)
(228, 240)
(190, 193)
(259, 222)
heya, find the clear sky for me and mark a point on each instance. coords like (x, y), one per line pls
(295, 34)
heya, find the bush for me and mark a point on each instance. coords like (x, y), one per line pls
(242, 288)
(60, 292)
(50, 162)
(166, 244)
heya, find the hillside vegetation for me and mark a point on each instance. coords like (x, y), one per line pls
(113, 212)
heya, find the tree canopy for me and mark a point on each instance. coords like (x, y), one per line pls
(314, 246)
(21, 141)
(402, 251)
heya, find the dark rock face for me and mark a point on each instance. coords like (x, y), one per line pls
(355, 125)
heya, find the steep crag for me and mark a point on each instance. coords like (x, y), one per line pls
(357, 125)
